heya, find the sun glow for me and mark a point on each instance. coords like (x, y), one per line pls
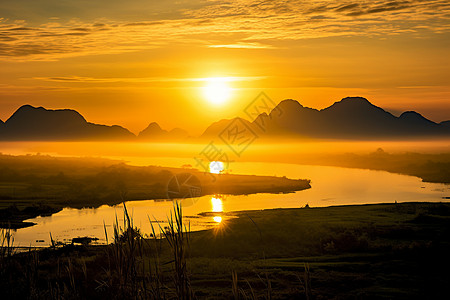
(216, 167)
(217, 90)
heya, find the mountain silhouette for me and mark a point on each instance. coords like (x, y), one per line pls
(350, 118)
(38, 123)
(445, 124)
(218, 127)
(154, 132)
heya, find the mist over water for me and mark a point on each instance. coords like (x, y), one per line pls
(286, 151)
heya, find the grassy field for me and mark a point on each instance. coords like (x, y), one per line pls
(383, 251)
(371, 251)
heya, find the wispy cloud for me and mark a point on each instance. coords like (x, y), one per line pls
(80, 79)
(73, 84)
(11, 89)
(243, 46)
(239, 24)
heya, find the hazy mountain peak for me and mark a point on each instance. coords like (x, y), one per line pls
(152, 130)
(38, 123)
(35, 114)
(410, 114)
(155, 132)
(28, 107)
(226, 121)
(289, 104)
(414, 116)
(351, 103)
(357, 99)
(154, 126)
(357, 107)
(217, 127)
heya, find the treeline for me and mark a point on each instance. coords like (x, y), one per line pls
(429, 167)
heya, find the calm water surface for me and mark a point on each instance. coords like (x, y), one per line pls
(330, 186)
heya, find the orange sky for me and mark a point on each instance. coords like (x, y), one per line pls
(135, 62)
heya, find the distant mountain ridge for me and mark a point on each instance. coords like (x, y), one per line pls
(349, 118)
(215, 128)
(155, 132)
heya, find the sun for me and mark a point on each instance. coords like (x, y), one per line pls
(217, 91)
(216, 167)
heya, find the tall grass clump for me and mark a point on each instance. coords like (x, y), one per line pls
(156, 278)
(125, 256)
(6, 251)
(134, 264)
(177, 235)
(306, 282)
(6, 245)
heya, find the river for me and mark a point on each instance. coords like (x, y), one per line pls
(330, 186)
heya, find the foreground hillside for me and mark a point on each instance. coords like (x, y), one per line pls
(382, 251)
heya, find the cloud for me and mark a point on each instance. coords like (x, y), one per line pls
(380, 8)
(53, 41)
(80, 79)
(242, 45)
(66, 84)
(11, 89)
(348, 7)
(239, 24)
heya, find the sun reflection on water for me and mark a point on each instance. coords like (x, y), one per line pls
(217, 206)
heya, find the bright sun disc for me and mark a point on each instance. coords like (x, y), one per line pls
(217, 90)
(216, 167)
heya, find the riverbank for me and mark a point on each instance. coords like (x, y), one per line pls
(430, 167)
(383, 251)
(36, 185)
(13, 217)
